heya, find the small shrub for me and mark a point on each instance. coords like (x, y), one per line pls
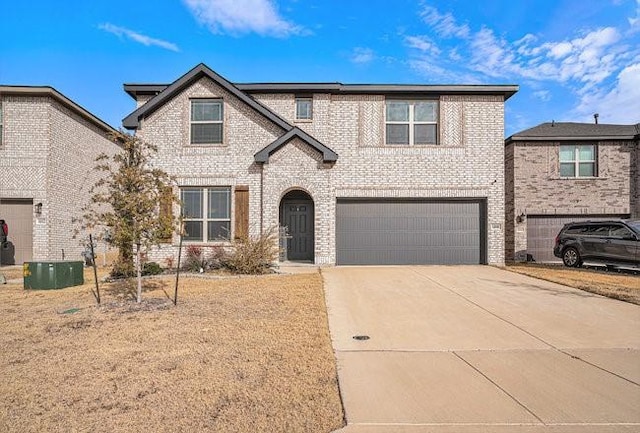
(169, 262)
(216, 257)
(253, 255)
(151, 268)
(122, 269)
(194, 259)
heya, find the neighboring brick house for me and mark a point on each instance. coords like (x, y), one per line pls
(48, 146)
(560, 172)
(359, 174)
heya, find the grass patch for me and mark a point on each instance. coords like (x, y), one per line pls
(621, 286)
(237, 355)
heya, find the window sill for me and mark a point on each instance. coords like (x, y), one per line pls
(578, 178)
(206, 145)
(203, 244)
(303, 121)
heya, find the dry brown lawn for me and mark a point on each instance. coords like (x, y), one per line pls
(622, 286)
(247, 354)
(11, 272)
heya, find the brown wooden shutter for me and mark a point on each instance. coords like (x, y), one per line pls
(166, 212)
(242, 211)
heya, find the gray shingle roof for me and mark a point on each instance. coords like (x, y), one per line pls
(164, 94)
(560, 131)
(507, 90)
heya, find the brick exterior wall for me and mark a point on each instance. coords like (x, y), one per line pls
(534, 187)
(48, 154)
(468, 163)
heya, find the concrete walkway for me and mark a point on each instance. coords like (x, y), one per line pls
(478, 349)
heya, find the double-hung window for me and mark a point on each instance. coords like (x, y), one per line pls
(206, 121)
(578, 160)
(304, 108)
(411, 122)
(207, 213)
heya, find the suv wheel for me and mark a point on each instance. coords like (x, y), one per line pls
(571, 257)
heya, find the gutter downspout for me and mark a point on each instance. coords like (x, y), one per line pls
(261, 199)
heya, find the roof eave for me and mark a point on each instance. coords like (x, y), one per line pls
(132, 121)
(572, 138)
(52, 92)
(506, 90)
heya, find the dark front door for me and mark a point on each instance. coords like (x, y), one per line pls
(298, 218)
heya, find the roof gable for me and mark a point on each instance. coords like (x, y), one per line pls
(263, 155)
(132, 121)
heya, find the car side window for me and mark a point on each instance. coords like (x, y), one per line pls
(621, 232)
(599, 230)
(576, 230)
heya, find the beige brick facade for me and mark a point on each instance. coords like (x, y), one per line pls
(48, 152)
(468, 162)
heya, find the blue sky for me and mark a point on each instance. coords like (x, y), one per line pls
(571, 58)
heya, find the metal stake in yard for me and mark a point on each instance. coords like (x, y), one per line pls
(95, 269)
(175, 295)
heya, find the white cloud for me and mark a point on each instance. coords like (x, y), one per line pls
(138, 37)
(455, 55)
(362, 55)
(422, 43)
(588, 60)
(445, 25)
(242, 16)
(634, 22)
(560, 49)
(598, 66)
(543, 95)
(621, 104)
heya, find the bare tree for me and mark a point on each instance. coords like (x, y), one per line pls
(132, 202)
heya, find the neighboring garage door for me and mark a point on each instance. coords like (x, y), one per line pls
(543, 229)
(19, 217)
(410, 232)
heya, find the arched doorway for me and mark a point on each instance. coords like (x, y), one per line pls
(297, 215)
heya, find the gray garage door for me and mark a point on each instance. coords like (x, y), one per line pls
(399, 232)
(542, 231)
(19, 217)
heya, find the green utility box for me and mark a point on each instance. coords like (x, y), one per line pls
(52, 275)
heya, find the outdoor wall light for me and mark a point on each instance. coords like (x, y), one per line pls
(520, 218)
(38, 209)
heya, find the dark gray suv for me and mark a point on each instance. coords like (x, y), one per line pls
(612, 243)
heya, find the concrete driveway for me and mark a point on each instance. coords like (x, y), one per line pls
(478, 349)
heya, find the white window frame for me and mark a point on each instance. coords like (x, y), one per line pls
(192, 122)
(307, 100)
(204, 217)
(576, 161)
(412, 122)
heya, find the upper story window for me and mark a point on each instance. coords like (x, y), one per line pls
(207, 213)
(304, 108)
(206, 121)
(578, 160)
(411, 122)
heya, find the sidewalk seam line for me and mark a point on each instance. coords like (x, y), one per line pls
(499, 387)
(522, 329)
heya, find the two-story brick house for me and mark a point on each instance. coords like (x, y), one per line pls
(561, 172)
(48, 146)
(359, 174)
